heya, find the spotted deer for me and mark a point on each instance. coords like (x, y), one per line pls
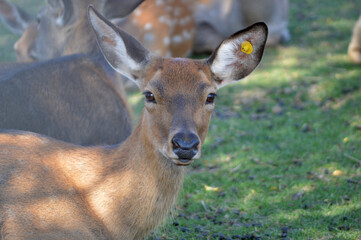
(216, 19)
(54, 190)
(354, 48)
(166, 27)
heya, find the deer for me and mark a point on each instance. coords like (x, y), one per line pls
(69, 98)
(216, 19)
(354, 47)
(166, 27)
(76, 98)
(51, 189)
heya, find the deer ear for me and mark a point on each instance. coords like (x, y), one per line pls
(123, 52)
(15, 18)
(62, 10)
(237, 56)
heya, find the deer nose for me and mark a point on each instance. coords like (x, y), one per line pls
(185, 146)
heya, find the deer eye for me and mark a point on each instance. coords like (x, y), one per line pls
(210, 98)
(149, 97)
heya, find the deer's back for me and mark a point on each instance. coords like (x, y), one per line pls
(70, 98)
(7, 69)
(164, 27)
(34, 194)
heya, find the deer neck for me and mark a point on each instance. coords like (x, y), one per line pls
(139, 194)
(80, 39)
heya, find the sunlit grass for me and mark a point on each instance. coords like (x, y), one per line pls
(299, 168)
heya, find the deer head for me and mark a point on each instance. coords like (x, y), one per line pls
(62, 28)
(179, 93)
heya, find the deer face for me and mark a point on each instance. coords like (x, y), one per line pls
(47, 37)
(62, 28)
(179, 99)
(25, 44)
(179, 93)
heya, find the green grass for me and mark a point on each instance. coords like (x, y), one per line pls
(277, 140)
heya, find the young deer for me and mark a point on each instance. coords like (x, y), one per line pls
(354, 48)
(54, 190)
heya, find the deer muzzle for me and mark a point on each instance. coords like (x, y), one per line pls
(185, 147)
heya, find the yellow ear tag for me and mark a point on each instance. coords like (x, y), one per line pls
(247, 47)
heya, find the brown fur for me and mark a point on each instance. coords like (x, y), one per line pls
(166, 21)
(70, 98)
(54, 190)
(110, 190)
(24, 46)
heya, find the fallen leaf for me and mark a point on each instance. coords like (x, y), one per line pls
(211, 189)
(337, 173)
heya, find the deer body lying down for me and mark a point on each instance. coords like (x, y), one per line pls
(55, 190)
(70, 98)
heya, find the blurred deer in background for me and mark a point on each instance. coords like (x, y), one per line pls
(217, 19)
(54, 190)
(354, 48)
(26, 42)
(14, 17)
(69, 98)
(166, 27)
(74, 98)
